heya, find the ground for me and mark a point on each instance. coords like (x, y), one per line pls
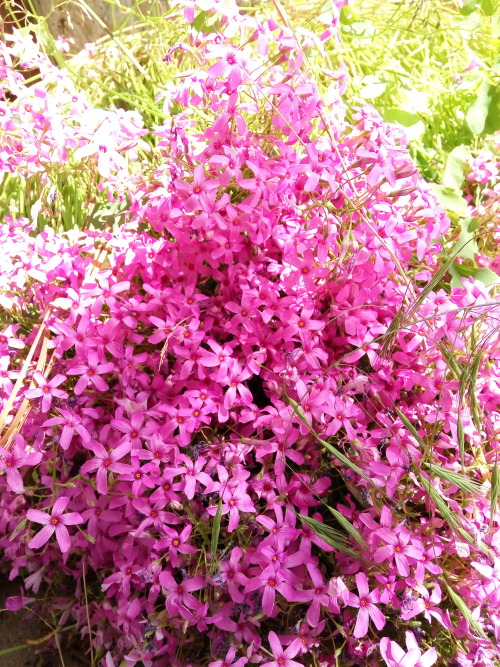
(17, 629)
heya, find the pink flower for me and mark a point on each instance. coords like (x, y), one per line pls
(235, 500)
(272, 580)
(55, 522)
(282, 657)
(105, 461)
(367, 609)
(398, 547)
(91, 373)
(395, 656)
(180, 594)
(46, 390)
(15, 458)
(70, 423)
(192, 472)
(229, 660)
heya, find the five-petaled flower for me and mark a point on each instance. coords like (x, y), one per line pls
(55, 522)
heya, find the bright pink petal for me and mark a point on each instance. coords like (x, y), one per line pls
(361, 627)
(63, 538)
(42, 537)
(38, 516)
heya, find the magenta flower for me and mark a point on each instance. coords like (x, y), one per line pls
(70, 423)
(366, 604)
(105, 461)
(46, 390)
(234, 501)
(192, 472)
(91, 373)
(398, 547)
(176, 543)
(180, 594)
(229, 660)
(14, 458)
(271, 580)
(282, 657)
(55, 522)
(317, 596)
(231, 573)
(395, 656)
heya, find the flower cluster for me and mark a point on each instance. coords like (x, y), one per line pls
(245, 422)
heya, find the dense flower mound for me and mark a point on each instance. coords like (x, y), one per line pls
(254, 424)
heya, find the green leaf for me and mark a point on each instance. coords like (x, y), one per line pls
(468, 7)
(401, 116)
(461, 606)
(450, 199)
(349, 528)
(410, 427)
(456, 166)
(484, 275)
(492, 123)
(333, 537)
(205, 22)
(336, 452)
(494, 492)
(489, 7)
(466, 245)
(452, 477)
(214, 543)
(448, 515)
(478, 112)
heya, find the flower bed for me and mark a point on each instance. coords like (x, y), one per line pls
(254, 424)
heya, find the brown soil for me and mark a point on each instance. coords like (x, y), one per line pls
(18, 629)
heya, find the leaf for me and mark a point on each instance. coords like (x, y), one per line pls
(464, 483)
(466, 245)
(205, 22)
(332, 537)
(492, 124)
(401, 116)
(349, 528)
(461, 606)
(448, 515)
(336, 452)
(468, 7)
(410, 427)
(494, 492)
(484, 275)
(215, 533)
(450, 199)
(489, 7)
(477, 113)
(455, 167)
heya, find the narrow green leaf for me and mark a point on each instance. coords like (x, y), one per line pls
(215, 533)
(349, 528)
(20, 526)
(14, 649)
(332, 537)
(449, 516)
(452, 477)
(336, 452)
(462, 607)
(494, 492)
(410, 427)
(461, 439)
